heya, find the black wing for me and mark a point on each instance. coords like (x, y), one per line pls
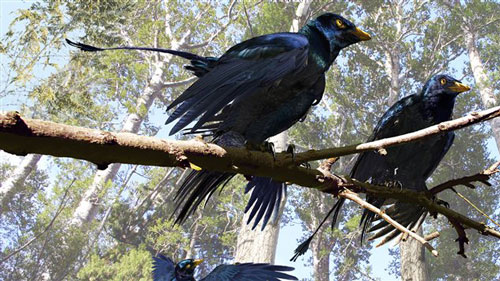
(407, 214)
(163, 268)
(372, 165)
(249, 272)
(246, 68)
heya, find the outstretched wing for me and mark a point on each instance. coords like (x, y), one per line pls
(163, 268)
(249, 272)
(246, 68)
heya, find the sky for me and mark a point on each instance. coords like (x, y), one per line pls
(289, 234)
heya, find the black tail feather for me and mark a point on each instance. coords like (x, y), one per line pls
(302, 249)
(265, 199)
(89, 48)
(304, 246)
(197, 187)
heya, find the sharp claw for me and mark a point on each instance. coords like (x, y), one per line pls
(291, 149)
(306, 165)
(394, 184)
(442, 202)
(270, 147)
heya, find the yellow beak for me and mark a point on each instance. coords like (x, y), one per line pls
(459, 87)
(197, 262)
(363, 36)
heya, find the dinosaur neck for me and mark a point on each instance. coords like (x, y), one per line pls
(440, 107)
(320, 51)
(179, 277)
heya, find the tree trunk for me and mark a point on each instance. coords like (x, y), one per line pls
(321, 258)
(393, 69)
(15, 182)
(481, 79)
(88, 206)
(413, 265)
(256, 245)
(322, 244)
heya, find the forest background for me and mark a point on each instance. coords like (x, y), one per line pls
(70, 221)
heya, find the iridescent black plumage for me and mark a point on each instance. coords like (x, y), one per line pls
(408, 165)
(165, 270)
(257, 89)
(261, 87)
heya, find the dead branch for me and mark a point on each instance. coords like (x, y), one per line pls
(483, 177)
(432, 236)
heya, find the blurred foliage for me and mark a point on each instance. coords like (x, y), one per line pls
(99, 91)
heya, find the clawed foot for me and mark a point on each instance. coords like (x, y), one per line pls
(306, 165)
(434, 214)
(291, 149)
(394, 184)
(266, 146)
(442, 202)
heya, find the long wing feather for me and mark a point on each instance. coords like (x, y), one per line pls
(249, 272)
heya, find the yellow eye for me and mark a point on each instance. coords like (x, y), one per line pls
(339, 23)
(443, 81)
(188, 266)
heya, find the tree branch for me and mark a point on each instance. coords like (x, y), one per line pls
(21, 136)
(354, 197)
(472, 118)
(483, 177)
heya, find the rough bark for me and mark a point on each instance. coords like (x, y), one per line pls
(15, 182)
(22, 136)
(481, 79)
(413, 262)
(26, 136)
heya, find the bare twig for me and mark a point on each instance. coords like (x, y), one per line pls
(477, 208)
(432, 236)
(472, 118)
(483, 177)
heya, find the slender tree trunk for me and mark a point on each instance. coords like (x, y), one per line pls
(88, 206)
(481, 79)
(413, 264)
(321, 261)
(321, 245)
(195, 234)
(257, 245)
(15, 183)
(393, 69)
